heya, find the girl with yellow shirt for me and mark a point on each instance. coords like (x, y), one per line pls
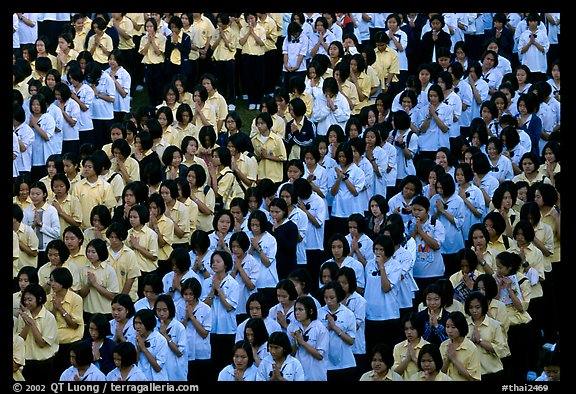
(203, 196)
(461, 357)
(164, 227)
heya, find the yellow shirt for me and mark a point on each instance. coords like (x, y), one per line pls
(205, 29)
(204, 222)
(401, 352)
(468, 355)
(28, 237)
(148, 239)
(166, 229)
(251, 47)
(137, 18)
(499, 245)
(91, 195)
(218, 102)
(491, 332)
(192, 214)
(128, 27)
(80, 40)
(79, 258)
(365, 84)
(132, 167)
(22, 204)
(18, 356)
(441, 377)
(278, 123)
(544, 233)
(45, 271)
(180, 215)
(210, 115)
(228, 186)
(272, 32)
(16, 306)
(47, 180)
(73, 305)
(274, 145)
(126, 267)
(46, 324)
(223, 52)
(15, 254)
(188, 130)
(150, 56)
(71, 206)
(390, 376)
(497, 311)
(387, 63)
(535, 258)
(249, 167)
(99, 55)
(95, 302)
(349, 90)
(514, 316)
(71, 55)
(549, 220)
(172, 136)
(490, 259)
(196, 41)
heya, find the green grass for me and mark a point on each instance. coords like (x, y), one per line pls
(141, 98)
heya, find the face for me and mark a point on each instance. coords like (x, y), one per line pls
(424, 76)
(375, 208)
(522, 194)
(92, 255)
(97, 223)
(240, 359)
(224, 224)
(37, 195)
(325, 276)
(488, 61)
(501, 269)
(93, 330)
(323, 149)
(134, 219)
(433, 301)
(427, 363)
(337, 248)
(491, 150)
(433, 97)
(255, 309)
(451, 330)
(24, 191)
(162, 311)
(344, 283)
(277, 352)
(507, 200)
(419, 212)
(528, 166)
(330, 298)
(23, 281)
(341, 159)
(88, 170)
(218, 264)
(149, 294)
(300, 312)
(277, 214)
(475, 309)
(119, 312)
(165, 193)
(378, 364)
(261, 125)
(442, 159)
(35, 107)
(54, 256)
(293, 173)
(553, 372)
(500, 104)
(282, 296)
(407, 104)
(410, 332)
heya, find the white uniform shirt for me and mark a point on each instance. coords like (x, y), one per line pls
(340, 353)
(317, 336)
(223, 321)
(291, 369)
(381, 305)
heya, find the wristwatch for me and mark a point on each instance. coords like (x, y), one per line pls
(171, 290)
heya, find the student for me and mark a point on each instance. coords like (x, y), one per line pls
(430, 365)
(551, 367)
(279, 364)
(198, 323)
(74, 240)
(179, 215)
(99, 283)
(300, 130)
(243, 367)
(486, 333)
(515, 292)
(122, 322)
(341, 324)
(347, 183)
(381, 363)
(283, 311)
(203, 195)
(326, 274)
(257, 307)
(123, 260)
(66, 306)
(143, 241)
(434, 314)
(438, 118)
(82, 368)
(221, 291)
(381, 293)
(175, 334)
(27, 242)
(471, 195)
(360, 244)
(448, 208)
(100, 219)
(68, 206)
(309, 339)
(299, 276)
(126, 362)
(42, 218)
(429, 235)
(406, 353)
(152, 287)
(97, 335)
(25, 276)
(269, 149)
(256, 334)
(461, 357)
(287, 192)
(151, 346)
(245, 271)
(286, 233)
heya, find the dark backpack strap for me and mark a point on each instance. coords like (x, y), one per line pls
(506, 241)
(112, 177)
(206, 189)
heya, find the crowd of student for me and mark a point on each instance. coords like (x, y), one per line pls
(392, 212)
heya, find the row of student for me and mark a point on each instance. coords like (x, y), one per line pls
(424, 257)
(313, 89)
(320, 338)
(472, 188)
(226, 42)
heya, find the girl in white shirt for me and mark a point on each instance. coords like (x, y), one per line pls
(279, 364)
(175, 334)
(242, 368)
(125, 359)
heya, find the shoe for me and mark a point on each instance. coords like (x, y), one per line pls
(139, 88)
(245, 97)
(231, 107)
(252, 107)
